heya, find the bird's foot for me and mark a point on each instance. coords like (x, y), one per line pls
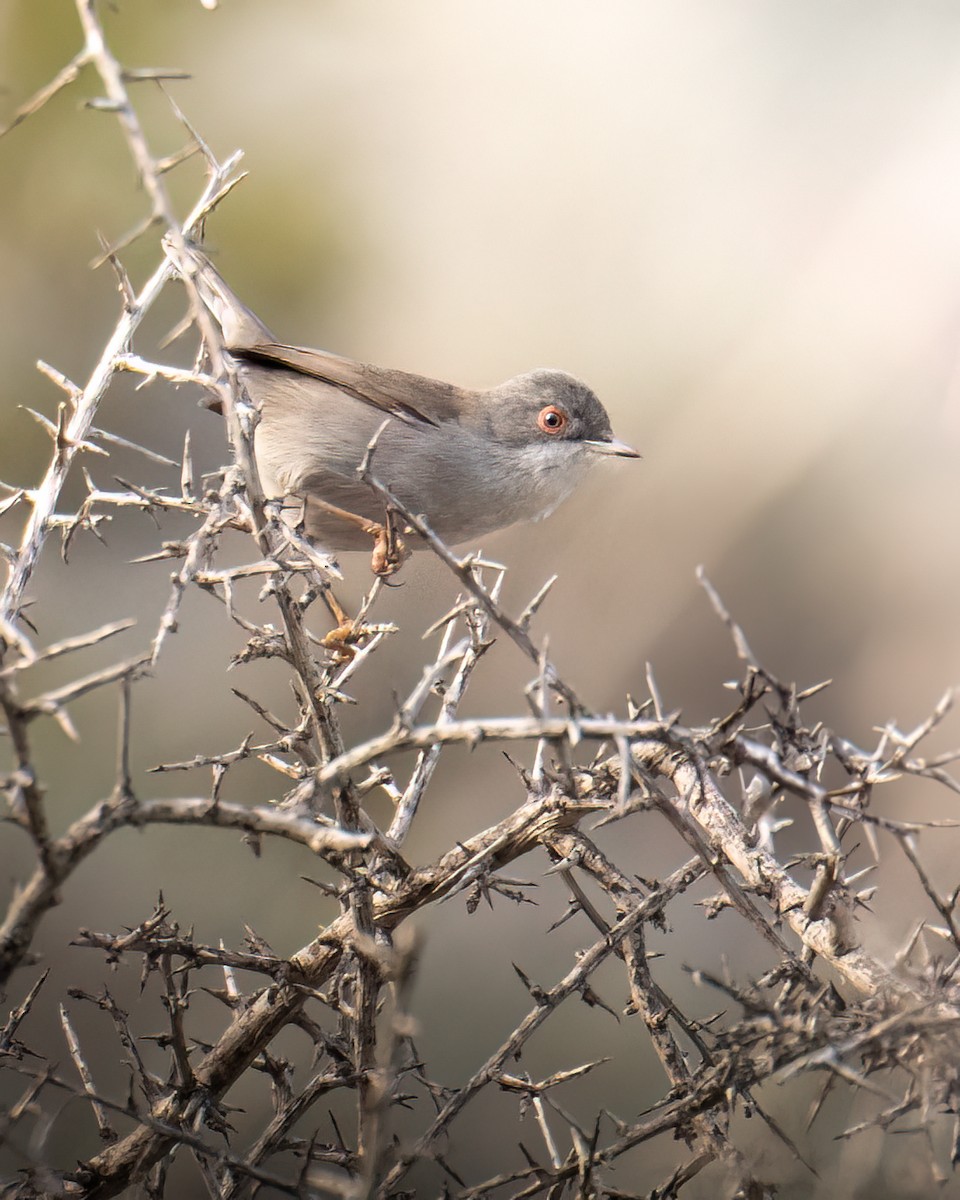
(389, 549)
(342, 641)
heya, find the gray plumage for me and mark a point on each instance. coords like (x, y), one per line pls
(470, 461)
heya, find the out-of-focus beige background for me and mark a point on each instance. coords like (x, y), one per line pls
(737, 220)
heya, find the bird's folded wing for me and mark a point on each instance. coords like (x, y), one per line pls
(411, 398)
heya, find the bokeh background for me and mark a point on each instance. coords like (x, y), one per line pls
(738, 220)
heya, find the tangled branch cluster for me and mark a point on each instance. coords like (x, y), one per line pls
(824, 1005)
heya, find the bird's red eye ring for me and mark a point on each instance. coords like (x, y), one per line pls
(552, 419)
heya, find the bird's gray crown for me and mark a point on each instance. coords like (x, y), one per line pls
(515, 406)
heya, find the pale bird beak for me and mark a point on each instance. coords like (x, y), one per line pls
(614, 446)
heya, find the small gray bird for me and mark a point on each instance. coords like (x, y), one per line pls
(469, 461)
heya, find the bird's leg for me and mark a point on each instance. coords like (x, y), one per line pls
(389, 554)
(389, 551)
(340, 639)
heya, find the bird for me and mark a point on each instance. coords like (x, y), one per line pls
(468, 461)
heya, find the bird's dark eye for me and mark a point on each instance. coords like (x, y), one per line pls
(552, 419)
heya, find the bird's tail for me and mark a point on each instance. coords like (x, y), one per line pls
(242, 329)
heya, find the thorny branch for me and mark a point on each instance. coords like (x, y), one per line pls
(822, 1003)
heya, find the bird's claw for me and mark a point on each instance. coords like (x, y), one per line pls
(342, 641)
(389, 550)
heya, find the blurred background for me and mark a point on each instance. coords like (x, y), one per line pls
(738, 221)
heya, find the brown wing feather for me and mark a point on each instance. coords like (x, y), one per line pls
(412, 398)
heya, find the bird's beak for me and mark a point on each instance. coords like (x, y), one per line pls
(614, 446)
